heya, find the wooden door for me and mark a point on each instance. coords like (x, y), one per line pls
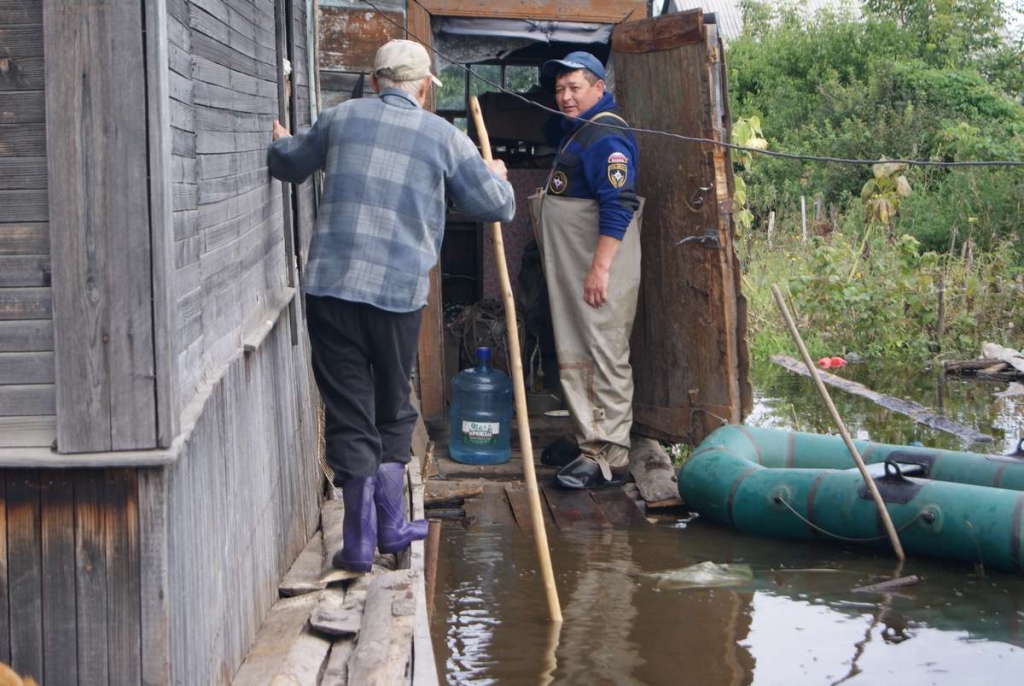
(690, 359)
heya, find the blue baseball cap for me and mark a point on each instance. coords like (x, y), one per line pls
(574, 60)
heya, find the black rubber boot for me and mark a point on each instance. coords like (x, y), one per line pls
(585, 473)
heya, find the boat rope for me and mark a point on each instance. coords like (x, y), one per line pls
(848, 539)
(695, 139)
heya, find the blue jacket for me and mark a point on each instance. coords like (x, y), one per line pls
(599, 163)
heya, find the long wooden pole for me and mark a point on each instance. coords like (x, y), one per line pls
(519, 388)
(884, 513)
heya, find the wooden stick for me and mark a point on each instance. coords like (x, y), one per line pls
(884, 513)
(519, 388)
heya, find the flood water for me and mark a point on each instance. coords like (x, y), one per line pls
(794, 619)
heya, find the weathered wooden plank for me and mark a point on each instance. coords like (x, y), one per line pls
(21, 12)
(27, 432)
(919, 413)
(22, 74)
(210, 119)
(652, 470)
(91, 587)
(574, 509)
(121, 525)
(208, 48)
(21, 272)
(384, 648)
(661, 33)
(22, 108)
(183, 143)
(601, 11)
(25, 303)
(279, 631)
(349, 37)
(226, 98)
(25, 574)
(27, 400)
(669, 90)
(153, 568)
(22, 173)
(5, 620)
(229, 164)
(619, 509)
(100, 226)
(22, 140)
(304, 575)
(22, 41)
(25, 239)
(165, 351)
(25, 206)
(336, 673)
(219, 75)
(431, 352)
(57, 497)
(26, 368)
(26, 336)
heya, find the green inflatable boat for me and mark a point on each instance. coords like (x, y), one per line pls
(785, 484)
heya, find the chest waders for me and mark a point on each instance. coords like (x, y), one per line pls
(592, 344)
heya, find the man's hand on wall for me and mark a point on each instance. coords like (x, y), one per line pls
(280, 131)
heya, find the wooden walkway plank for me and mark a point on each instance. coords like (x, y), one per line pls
(336, 673)
(337, 614)
(490, 509)
(280, 630)
(304, 575)
(618, 508)
(384, 648)
(574, 509)
(305, 661)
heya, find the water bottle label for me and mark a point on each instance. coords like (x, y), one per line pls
(480, 433)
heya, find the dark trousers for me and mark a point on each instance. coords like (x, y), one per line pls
(362, 361)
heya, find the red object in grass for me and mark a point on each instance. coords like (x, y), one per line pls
(838, 362)
(825, 362)
(831, 362)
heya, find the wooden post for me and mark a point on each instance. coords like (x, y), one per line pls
(884, 513)
(522, 417)
(803, 218)
(771, 228)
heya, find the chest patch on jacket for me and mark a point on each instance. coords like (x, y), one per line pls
(559, 183)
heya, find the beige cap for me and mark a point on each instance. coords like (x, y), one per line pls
(403, 60)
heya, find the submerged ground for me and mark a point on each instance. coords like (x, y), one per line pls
(789, 618)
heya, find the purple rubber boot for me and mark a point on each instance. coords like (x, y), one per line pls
(359, 529)
(394, 533)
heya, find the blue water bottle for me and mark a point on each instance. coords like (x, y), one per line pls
(480, 413)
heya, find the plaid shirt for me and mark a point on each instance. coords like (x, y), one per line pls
(389, 165)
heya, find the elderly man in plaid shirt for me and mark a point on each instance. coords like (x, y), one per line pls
(390, 165)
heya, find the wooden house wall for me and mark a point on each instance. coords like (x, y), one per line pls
(350, 33)
(164, 575)
(27, 399)
(241, 504)
(228, 222)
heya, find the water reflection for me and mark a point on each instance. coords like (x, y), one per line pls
(796, 622)
(786, 400)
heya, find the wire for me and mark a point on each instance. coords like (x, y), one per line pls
(845, 538)
(695, 139)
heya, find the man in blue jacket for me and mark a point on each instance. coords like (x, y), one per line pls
(587, 220)
(389, 167)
